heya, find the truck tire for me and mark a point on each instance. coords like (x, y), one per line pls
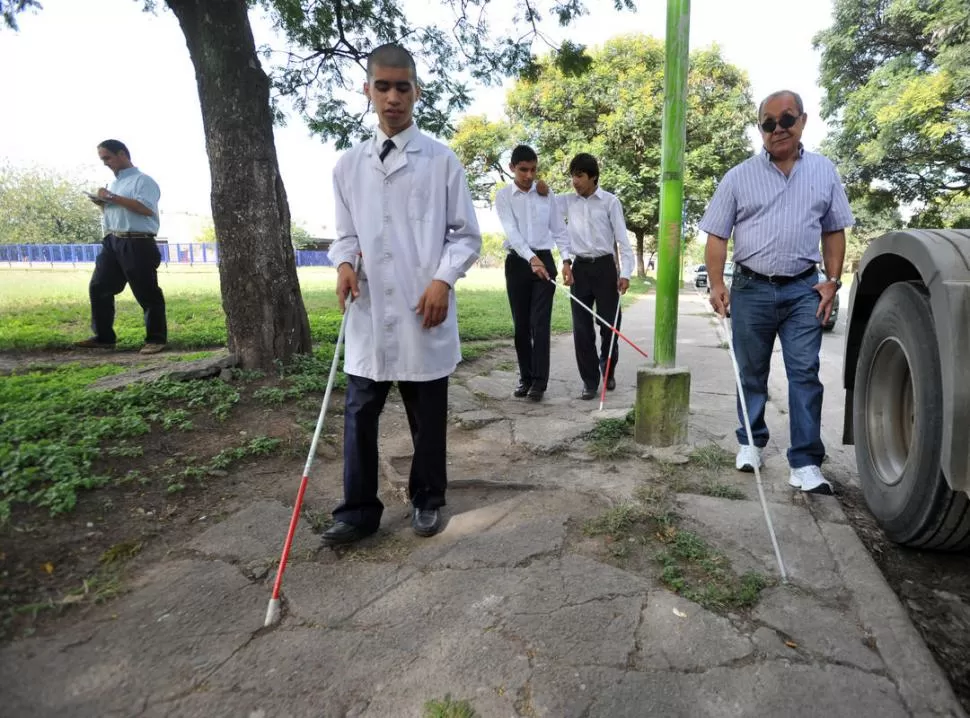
(898, 415)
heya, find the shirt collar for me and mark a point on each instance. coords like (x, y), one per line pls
(767, 155)
(127, 171)
(401, 139)
(515, 189)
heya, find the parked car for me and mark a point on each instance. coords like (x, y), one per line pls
(700, 277)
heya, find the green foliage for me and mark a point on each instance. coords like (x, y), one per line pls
(330, 41)
(10, 8)
(52, 428)
(896, 75)
(484, 148)
(614, 109)
(493, 251)
(448, 707)
(41, 207)
(876, 212)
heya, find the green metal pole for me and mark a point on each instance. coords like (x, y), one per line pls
(672, 182)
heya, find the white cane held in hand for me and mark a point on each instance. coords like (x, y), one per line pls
(757, 469)
(609, 357)
(598, 318)
(273, 610)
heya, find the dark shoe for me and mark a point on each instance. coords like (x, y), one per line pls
(610, 384)
(521, 390)
(535, 393)
(94, 343)
(151, 348)
(426, 522)
(341, 533)
(588, 394)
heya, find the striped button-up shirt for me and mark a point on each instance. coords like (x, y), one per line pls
(778, 221)
(136, 185)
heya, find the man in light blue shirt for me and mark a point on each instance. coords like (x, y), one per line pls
(779, 205)
(129, 253)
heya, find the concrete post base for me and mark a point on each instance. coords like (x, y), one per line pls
(662, 406)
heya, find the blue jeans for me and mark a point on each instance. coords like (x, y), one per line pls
(760, 311)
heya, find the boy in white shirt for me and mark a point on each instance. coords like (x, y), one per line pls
(532, 227)
(596, 227)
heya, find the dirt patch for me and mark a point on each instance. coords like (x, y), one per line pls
(934, 587)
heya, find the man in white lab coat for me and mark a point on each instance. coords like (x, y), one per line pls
(403, 206)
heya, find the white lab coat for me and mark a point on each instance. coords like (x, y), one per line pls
(412, 221)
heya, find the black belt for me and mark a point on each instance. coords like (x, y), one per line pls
(534, 251)
(599, 258)
(774, 278)
(133, 235)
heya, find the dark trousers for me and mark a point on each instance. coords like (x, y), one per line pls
(134, 262)
(530, 299)
(594, 284)
(426, 404)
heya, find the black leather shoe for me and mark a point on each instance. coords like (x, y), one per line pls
(535, 393)
(426, 522)
(588, 394)
(610, 384)
(341, 533)
(521, 390)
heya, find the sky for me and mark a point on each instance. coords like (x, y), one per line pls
(80, 72)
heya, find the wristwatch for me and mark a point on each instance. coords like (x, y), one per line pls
(838, 282)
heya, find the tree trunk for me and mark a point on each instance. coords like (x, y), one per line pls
(641, 270)
(265, 316)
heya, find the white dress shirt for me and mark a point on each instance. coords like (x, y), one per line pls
(412, 220)
(595, 225)
(531, 221)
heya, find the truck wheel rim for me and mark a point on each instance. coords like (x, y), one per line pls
(890, 415)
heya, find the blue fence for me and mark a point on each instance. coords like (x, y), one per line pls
(191, 253)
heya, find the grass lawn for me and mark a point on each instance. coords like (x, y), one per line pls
(48, 308)
(53, 430)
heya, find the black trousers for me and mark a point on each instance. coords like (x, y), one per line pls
(426, 404)
(530, 299)
(132, 261)
(594, 284)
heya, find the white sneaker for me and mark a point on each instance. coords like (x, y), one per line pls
(748, 458)
(810, 480)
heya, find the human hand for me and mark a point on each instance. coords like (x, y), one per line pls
(346, 284)
(542, 189)
(104, 195)
(827, 291)
(622, 285)
(720, 299)
(539, 268)
(433, 304)
(567, 275)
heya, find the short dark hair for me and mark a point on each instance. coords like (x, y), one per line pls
(115, 146)
(799, 105)
(523, 153)
(391, 55)
(585, 163)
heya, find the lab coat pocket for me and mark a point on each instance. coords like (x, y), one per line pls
(419, 204)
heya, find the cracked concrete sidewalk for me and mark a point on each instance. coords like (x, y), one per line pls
(506, 607)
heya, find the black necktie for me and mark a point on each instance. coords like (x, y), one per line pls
(388, 146)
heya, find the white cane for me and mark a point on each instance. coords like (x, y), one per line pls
(757, 470)
(609, 357)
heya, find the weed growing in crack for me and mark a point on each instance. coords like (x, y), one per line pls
(722, 491)
(609, 439)
(700, 573)
(711, 457)
(448, 707)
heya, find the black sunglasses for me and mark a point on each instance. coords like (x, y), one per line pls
(786, 123)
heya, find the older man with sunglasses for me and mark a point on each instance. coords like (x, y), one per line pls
(780, 206)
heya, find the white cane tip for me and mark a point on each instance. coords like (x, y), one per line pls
(272, 612)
